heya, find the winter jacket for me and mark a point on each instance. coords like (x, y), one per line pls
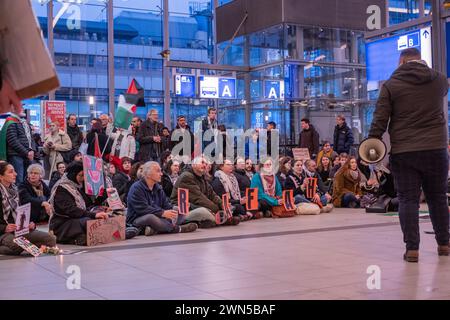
(294, 182)
(102, 139)
(54, 179)
(75, 135)
(142, 201)
(68, 219)
(28, 195)
(17, 141)
(61, 142)
(344, 183)
(243, 180)
(120, 182)
(309, 139)
(343, 138)
(201, 194)
(411, 102)
(257, 183)
(166, 184)
(127, 146)
(331, 154)
(148, 149)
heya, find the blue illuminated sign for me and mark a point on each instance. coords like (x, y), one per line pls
(274, 89)
(185, 85)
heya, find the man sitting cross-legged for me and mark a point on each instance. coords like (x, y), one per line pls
(149, 207)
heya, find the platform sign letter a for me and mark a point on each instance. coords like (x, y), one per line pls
(272, 93)
(226, 91)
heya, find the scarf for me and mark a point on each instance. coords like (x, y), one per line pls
(293, 176)
(230, 184)
(26, 127)
(268, 181)
(72, 187)
(10, 201)
(173, 178)
(354, 174)
(249, 174)
(38, 189)
(308, 173)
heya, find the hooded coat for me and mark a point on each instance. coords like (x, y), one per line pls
(411, 103)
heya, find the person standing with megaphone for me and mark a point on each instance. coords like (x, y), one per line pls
(411, 102)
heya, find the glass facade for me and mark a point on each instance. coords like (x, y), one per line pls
(405, 10)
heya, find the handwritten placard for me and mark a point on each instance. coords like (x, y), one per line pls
(102, 231)
(301, 153)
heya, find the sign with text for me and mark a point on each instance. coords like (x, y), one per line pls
(183, 201)
(301, 153)
(114, 201)
(288, 199)
(102, 231)
(251, 194)
(274, 89)
(27, 246)
(227, 205)
(23, 220)
(185, 85)
(53, 111)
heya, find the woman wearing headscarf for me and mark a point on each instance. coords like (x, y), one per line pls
(269, 188)
(9, 203)
(34, 190)
(225, 182)
(71, 207)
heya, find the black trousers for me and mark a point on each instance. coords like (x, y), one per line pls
(426, 170)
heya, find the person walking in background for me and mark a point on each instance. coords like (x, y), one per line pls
(343, 136)
(309, 138)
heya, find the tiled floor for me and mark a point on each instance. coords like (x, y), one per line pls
(305, 257)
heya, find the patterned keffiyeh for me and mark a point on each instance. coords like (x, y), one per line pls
(10, 201)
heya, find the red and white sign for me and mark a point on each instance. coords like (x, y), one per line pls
(53, 111)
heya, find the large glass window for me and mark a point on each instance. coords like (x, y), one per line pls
(403, 10)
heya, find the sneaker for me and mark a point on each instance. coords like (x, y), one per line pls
(443, 250)
(190, 227)
(411, 256)
(206, 224)
(149, 231)
(327, 208)
(131, 232)
(267, 214)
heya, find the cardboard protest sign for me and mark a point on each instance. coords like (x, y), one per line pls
(114, 201)
(311, 187)
(27, 246)
(227, 205)
(102, 231)
(23, 220)
(183, 201)
(301, 153)
(93, 175)
(251, 194)
(288, 199)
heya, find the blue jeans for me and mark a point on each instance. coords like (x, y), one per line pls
(348, 198)
(20, 165)
(160, 225)
(302, 199)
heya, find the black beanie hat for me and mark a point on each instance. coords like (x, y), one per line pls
(73, 170)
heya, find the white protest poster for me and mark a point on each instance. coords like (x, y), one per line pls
(114, 201)
(23, 220)
(27, 246)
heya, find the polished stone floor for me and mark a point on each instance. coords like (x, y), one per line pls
(304, 257)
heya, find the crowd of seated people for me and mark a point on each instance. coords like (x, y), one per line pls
(149, 187)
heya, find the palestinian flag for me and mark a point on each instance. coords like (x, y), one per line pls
(124, 114)
(135, 94)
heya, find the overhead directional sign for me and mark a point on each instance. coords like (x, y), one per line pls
(185, 85)
(217, 87)
(274, 89)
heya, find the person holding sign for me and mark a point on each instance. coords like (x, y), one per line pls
(225, 182)
(72, 207)
(295, 182)
(9, 205)
(149, 207)
(269, 188)
(313, 185)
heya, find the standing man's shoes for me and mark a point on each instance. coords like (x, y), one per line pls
(443, 250)
(411, 256)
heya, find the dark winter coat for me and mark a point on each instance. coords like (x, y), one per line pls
(166, 184)
(291, 181)
(201, 194)
(243, 180)
(343, 138)
(75, 135)
(309, 139)
(69, 221)
(17, 142)
(411, 102)
(120, 182)
(28, 195)
(102, 139)
(148, 149)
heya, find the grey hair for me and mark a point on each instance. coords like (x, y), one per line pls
(198, 160)
(36, 166)
(146, 168)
